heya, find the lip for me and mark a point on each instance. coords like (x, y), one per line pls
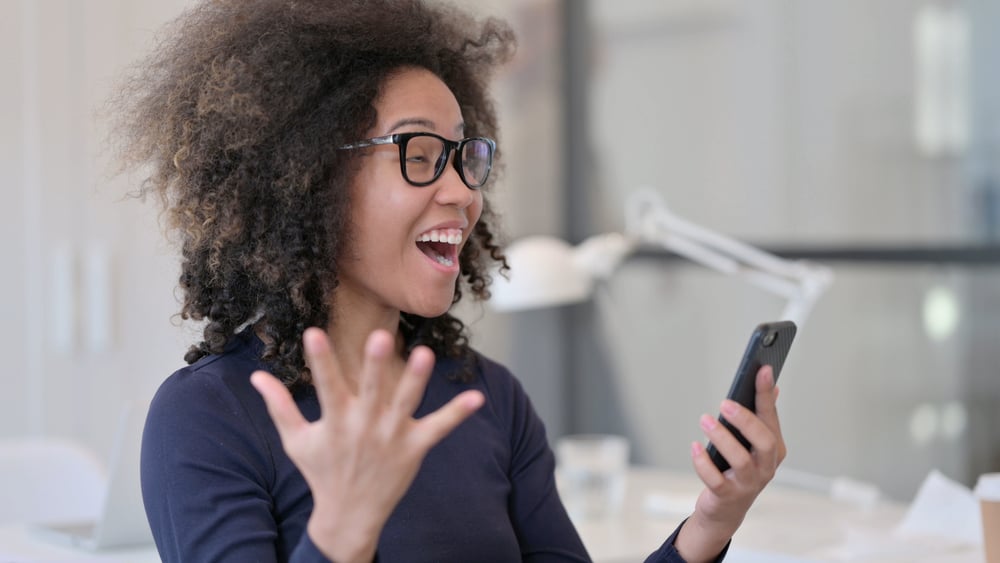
(448, 225)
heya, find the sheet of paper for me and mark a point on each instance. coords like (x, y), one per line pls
(944, 511)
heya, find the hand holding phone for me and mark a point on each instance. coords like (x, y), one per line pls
(769, 345)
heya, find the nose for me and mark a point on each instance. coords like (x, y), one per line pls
(451, 190)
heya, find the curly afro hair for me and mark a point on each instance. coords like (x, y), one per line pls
(236, 116)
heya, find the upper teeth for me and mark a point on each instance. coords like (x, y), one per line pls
(450, 236)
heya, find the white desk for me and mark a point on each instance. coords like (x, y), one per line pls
(783, 525)
(20, 544)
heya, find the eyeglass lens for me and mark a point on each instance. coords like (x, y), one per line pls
(426, 158)
(477, 158)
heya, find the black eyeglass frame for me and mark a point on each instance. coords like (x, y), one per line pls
(401, 140)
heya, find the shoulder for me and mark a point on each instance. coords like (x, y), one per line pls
(210, 400)
(493, 371)
(511, 407)
(216, 379)
(207, 415)
(490, 376)
(505, 396)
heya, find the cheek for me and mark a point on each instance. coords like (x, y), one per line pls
(375, 198)
(474, 213)
(476, 209)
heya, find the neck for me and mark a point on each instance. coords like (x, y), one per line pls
(349, 328)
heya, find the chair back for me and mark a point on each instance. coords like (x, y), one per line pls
(49, 480)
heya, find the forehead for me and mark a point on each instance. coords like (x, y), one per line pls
(417, 96)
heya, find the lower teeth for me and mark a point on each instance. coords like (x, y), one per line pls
(444, 261)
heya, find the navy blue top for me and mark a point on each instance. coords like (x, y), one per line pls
(218, 486)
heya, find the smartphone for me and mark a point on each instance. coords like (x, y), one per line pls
(768, 346)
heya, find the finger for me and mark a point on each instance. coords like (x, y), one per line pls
(706, 470)
(411, 386)
(767, 408)
(727, 444)
(759, 434)
(432, 428)
(372, 379)
(766, 399)
(331, 390)
(280, 405)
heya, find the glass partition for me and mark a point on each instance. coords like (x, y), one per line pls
(825, 130)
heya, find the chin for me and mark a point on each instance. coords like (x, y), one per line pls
(435, 312)
(430, 309)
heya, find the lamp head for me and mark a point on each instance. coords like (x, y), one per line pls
(543, 273)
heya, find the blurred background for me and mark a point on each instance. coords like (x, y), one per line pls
(861, 135)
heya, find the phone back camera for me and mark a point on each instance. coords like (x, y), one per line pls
(770, 338)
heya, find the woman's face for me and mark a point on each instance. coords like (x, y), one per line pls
(391, 265)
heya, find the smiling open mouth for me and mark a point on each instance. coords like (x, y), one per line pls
(441, 245)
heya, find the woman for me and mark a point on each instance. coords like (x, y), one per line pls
(325, 165)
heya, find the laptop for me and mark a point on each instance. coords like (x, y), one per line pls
(122, 520)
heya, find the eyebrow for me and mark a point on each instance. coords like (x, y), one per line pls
(421, 122)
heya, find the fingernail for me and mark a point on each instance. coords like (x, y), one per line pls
(256, 378)
(474, 400)
(708, 423)
(377, 343)
(769, 376)
(696, 449)
(311, 338)
(729, 408)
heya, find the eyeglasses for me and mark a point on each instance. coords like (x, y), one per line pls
(423, 157)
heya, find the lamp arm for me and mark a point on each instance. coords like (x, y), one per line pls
(648, 219)
(696, 252)
(662, 220)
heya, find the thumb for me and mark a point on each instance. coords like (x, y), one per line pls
(435, 426)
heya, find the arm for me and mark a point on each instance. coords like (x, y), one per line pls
(544, 530)
(206, 476)
(668, 551)
(727, 497)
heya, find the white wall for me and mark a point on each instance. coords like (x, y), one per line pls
(88, 286)
(15, 414)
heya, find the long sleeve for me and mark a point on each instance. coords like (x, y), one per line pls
(208, 478)
(668, 554)
(544, 530)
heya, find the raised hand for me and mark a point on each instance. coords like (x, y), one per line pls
(363, 453)
(727, 496)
